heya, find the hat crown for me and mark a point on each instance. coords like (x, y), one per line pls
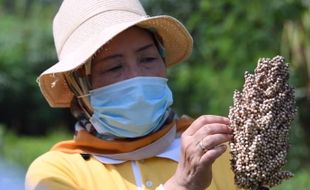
(73, 13)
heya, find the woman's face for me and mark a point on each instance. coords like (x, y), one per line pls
(131, 53)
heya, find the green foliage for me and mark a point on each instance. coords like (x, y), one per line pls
(22, 150)
(300, 181)
(296, 46)
(298, 155)
(26, 49)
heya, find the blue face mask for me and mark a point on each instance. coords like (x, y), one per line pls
(131, 108)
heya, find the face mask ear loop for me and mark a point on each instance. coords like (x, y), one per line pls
(87, 79)
(79, 99)
(79, 84)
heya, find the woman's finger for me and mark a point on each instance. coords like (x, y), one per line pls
(211, 155)
(212, 141)
(211, 129)
(204, 120)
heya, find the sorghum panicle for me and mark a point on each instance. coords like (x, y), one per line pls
(261, 117)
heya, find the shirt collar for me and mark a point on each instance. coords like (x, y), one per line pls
(172, 153)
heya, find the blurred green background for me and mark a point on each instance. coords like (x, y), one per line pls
(229, 37)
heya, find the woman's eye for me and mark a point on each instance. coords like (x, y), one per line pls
(114, 69)
(148, 59)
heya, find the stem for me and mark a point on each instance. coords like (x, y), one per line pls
(260, 188)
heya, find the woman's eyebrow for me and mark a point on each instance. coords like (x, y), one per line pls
(145, 47)
(115, 56)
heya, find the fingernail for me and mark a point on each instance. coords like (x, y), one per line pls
(230, 129)
(222, 146)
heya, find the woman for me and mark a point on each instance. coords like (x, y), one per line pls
(112, 74)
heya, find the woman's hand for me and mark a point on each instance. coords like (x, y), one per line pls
(201, 145)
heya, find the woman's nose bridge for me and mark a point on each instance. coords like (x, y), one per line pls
(133, 68)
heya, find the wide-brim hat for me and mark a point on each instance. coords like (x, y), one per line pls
(81, 27)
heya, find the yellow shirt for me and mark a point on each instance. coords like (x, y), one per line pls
(63, 171)
(64, 168)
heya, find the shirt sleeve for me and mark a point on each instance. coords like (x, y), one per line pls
(48, 172)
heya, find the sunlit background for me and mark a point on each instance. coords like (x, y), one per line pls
(229, 36)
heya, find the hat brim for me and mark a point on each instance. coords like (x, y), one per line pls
(176, 39)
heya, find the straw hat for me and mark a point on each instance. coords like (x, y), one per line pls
(81, 27)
